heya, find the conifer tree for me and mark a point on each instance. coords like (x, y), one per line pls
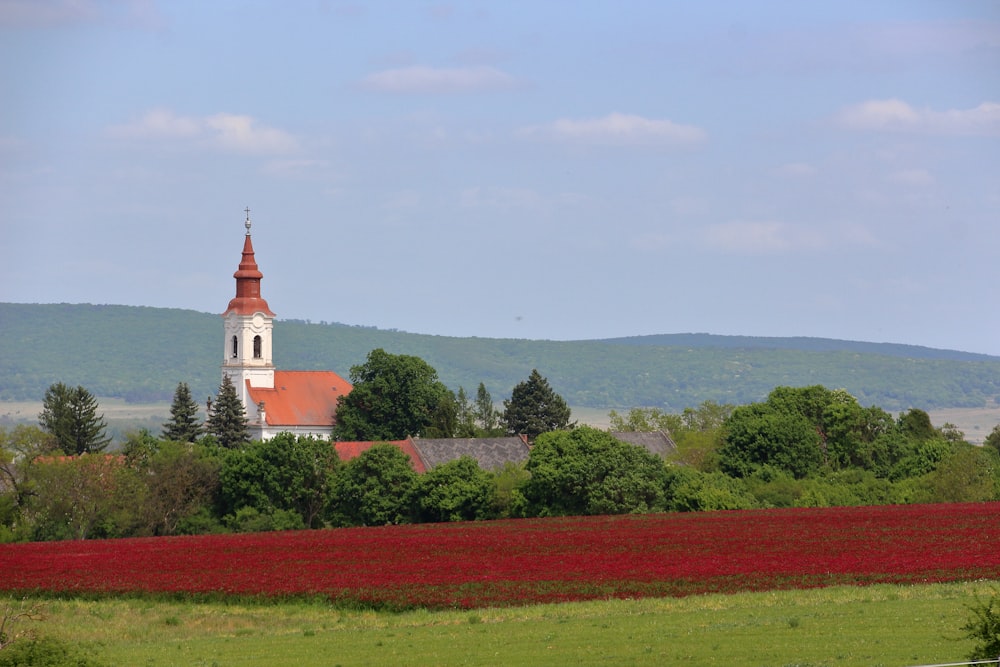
(183, 425)
(535, 408)
(227, 420)
(70, 415)
(486, 415)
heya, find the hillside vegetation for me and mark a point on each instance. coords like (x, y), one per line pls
(141, 353)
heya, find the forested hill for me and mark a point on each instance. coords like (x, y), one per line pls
(140, 354)
(703, 340)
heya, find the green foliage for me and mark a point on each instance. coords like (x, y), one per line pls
(45, 652)
(181, 480)
(287, 473)
(394, 396)
(89, 496)
(458, 490)
(227, 420)
(70, 416)
(586, 471)
(508, 500)
(534, 408)
(183, 425)
(688, 490)
(984, 628)
(968, 474)
(375, 489)
(645, 420)
(759, 434)
(253, 520)
(992, 441)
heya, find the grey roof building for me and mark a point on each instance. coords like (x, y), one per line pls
(490, 453)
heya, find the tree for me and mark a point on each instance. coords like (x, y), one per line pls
(534, 408)
(376, 488)
(227, 420)
(645, 420)
(458, 490)
(993, 439)
(485, 414)
(183, 425)
(70, 415)
(287, 473)
(984, 628)
(80, 497)
(394, 396)
(181, 481)
(587, 471)
(759, 435)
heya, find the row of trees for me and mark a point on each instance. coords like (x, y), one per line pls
(801, 446)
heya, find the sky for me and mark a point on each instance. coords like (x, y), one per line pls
(559, 170)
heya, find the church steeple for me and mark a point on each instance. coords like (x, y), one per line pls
(249, 324)
(248, 300)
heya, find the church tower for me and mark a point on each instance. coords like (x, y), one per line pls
(248, 326)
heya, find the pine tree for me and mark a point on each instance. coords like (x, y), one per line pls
(227, 420)
(183, 425)
(535, 408)
(485, 413)
(70, 415)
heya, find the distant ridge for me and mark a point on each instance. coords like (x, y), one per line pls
(805, 343)
(141, 353)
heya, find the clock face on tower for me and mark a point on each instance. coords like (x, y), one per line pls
(258, 321)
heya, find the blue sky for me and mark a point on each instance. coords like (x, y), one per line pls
(562, 170)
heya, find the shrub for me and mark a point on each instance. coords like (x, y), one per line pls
(984, 628)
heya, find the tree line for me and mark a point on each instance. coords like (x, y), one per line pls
(804, 446)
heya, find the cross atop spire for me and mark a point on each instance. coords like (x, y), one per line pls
(247, 223)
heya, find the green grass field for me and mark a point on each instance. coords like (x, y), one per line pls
(879, 625)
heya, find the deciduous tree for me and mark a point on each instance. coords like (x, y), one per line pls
(376, 488)
(394, 396)
(587, 471)
(458, 490)
(285, 473)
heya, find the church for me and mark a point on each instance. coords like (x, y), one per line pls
(304, 403)
(297, 402)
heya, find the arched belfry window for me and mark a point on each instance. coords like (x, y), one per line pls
(256, 347)
(236, 347)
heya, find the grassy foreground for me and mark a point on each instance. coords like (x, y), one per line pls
(878, 625)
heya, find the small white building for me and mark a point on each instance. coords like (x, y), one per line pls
(299, 402)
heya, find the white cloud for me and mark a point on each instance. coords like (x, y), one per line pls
(244, 134)
(422, 79)
(894, 115)
(617, 129)
(767, 237)
(229, 132)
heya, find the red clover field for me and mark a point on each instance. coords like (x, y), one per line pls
(517, 562)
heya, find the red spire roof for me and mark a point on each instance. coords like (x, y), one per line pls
(248, 300)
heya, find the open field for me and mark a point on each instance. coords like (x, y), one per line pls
(518, 562)
(839, 626)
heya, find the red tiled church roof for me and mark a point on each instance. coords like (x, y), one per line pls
(301, 398)
(350, 450)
